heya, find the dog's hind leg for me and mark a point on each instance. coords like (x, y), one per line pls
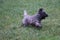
(24, 22)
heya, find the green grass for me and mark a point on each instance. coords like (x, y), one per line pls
(11, 14)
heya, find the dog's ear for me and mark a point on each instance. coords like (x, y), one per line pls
(41, 9)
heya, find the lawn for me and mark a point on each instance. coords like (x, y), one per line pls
(11, 14)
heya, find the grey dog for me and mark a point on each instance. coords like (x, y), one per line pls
(34, 19)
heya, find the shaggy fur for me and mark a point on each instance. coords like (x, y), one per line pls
(34, 19)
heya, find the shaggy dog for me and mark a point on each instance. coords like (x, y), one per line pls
(34, 19)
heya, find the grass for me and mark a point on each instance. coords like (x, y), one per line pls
(11, 14)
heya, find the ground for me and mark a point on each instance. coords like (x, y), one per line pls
(11, 14)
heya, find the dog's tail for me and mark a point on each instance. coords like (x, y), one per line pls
(25, 12)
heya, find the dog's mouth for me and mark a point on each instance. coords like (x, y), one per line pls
(44, 17)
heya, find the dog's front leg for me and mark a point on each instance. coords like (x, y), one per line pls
(37, 24)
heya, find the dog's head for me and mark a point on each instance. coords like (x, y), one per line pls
(42, 14)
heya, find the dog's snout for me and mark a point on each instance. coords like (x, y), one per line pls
(46, 15)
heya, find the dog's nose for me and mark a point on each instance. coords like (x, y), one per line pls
(46, 15)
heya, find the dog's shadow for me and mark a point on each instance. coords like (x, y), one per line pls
(33, 27)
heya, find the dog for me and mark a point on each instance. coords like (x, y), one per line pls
(34, 19)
